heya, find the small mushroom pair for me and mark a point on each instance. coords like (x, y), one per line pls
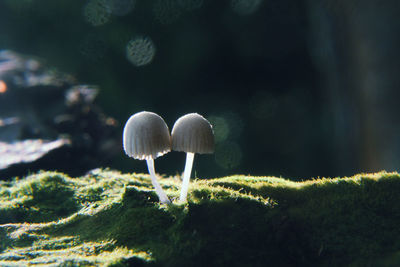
(146, 136)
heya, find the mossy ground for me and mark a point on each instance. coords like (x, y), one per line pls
(113, 219)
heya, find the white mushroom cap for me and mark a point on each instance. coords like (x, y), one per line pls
(146, 136)
(193, 133)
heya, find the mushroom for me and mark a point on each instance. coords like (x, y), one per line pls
(191, 133)
(146, 136)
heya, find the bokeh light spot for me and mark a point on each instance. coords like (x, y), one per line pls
(140, 51)
(235, 123)
(220, 128)
(228, 155)
(96, 12)
(3, 87)
(226, 125)
(245, 7)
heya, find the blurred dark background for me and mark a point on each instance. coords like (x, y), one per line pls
(296, 89)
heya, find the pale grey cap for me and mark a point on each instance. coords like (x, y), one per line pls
(146, 136)
(193, 133)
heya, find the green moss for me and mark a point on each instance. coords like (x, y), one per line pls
(113, 219)
(40, 197)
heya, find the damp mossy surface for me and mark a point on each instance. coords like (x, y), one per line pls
(107, 218)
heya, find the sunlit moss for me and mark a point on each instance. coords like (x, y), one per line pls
(111, 219)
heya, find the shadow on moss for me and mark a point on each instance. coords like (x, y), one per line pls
(343, 220)
(211, 233)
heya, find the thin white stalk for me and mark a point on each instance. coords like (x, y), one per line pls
(160, 192)
(186, 176)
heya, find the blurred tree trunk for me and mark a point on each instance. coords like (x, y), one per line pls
(355, 44)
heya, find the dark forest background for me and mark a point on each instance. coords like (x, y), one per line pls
(296, 89)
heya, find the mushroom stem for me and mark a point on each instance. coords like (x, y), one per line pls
(186, 175)
(160, 192)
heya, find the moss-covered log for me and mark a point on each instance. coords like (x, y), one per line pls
(108, 218)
